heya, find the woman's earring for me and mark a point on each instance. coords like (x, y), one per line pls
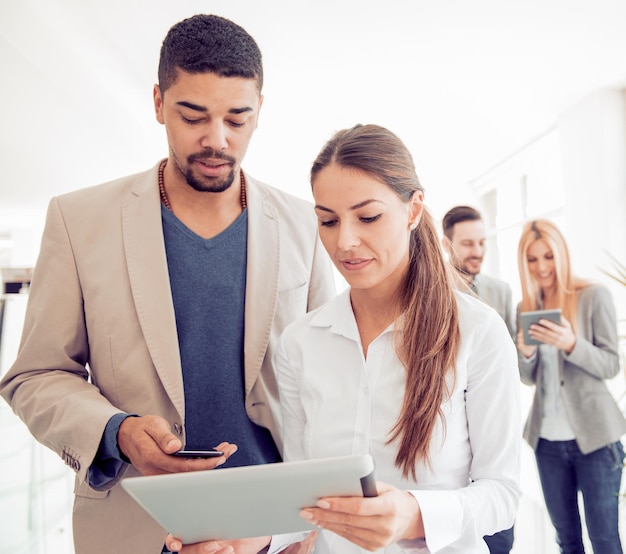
(413, 226)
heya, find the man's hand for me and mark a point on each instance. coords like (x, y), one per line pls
(240, 546)
(148, 443)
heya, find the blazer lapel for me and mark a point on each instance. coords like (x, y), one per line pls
(261, 279)
(149, 279)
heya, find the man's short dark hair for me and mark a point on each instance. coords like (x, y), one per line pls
(458, 214)
(209, 44)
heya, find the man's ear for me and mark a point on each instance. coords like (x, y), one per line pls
(259, 114)
(158, 104)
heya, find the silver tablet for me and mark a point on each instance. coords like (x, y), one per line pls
(528, 318)
(251, 501)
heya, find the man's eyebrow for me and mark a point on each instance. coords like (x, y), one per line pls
(204, 109)
(355, 207)
(240, 110)
(191, 106)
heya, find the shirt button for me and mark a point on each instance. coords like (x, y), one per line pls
(178, 429)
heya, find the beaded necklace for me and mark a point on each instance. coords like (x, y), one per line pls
(166, 200)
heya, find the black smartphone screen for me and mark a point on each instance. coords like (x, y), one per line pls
(198, 453)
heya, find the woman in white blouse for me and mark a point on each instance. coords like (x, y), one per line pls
(400, 365)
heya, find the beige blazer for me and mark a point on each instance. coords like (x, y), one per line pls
(100, 332)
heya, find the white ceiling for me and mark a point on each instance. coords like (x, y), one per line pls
(463, 82)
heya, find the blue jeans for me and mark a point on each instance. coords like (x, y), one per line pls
(564, 470)
(501, 542)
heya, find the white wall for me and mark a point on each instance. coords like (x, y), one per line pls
(593, 146)
(574, 174)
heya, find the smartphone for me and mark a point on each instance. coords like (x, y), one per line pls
(198, 453)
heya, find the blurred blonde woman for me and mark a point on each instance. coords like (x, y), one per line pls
(574, 424)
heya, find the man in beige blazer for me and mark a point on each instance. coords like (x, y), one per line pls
(102, 336)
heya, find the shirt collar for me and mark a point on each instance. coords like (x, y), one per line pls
(338, 316)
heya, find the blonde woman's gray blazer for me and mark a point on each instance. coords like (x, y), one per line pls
(593, 412)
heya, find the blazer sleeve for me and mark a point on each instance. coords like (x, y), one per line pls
(596, 349)
(509, 317)
(322, 284)
(48, 385)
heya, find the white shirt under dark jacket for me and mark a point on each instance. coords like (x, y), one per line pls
(335, 402)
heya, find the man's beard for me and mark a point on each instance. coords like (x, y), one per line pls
(462, 269)
(207, 184)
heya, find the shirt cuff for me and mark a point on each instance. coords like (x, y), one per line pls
(109, 460)
(442, 515)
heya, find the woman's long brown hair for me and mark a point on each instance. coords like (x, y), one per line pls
(430, 337)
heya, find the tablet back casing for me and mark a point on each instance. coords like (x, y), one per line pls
(533, 317)
(251, 501)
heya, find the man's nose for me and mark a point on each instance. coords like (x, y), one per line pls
(214, 136)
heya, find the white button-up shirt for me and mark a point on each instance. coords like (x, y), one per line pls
(336, 402)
